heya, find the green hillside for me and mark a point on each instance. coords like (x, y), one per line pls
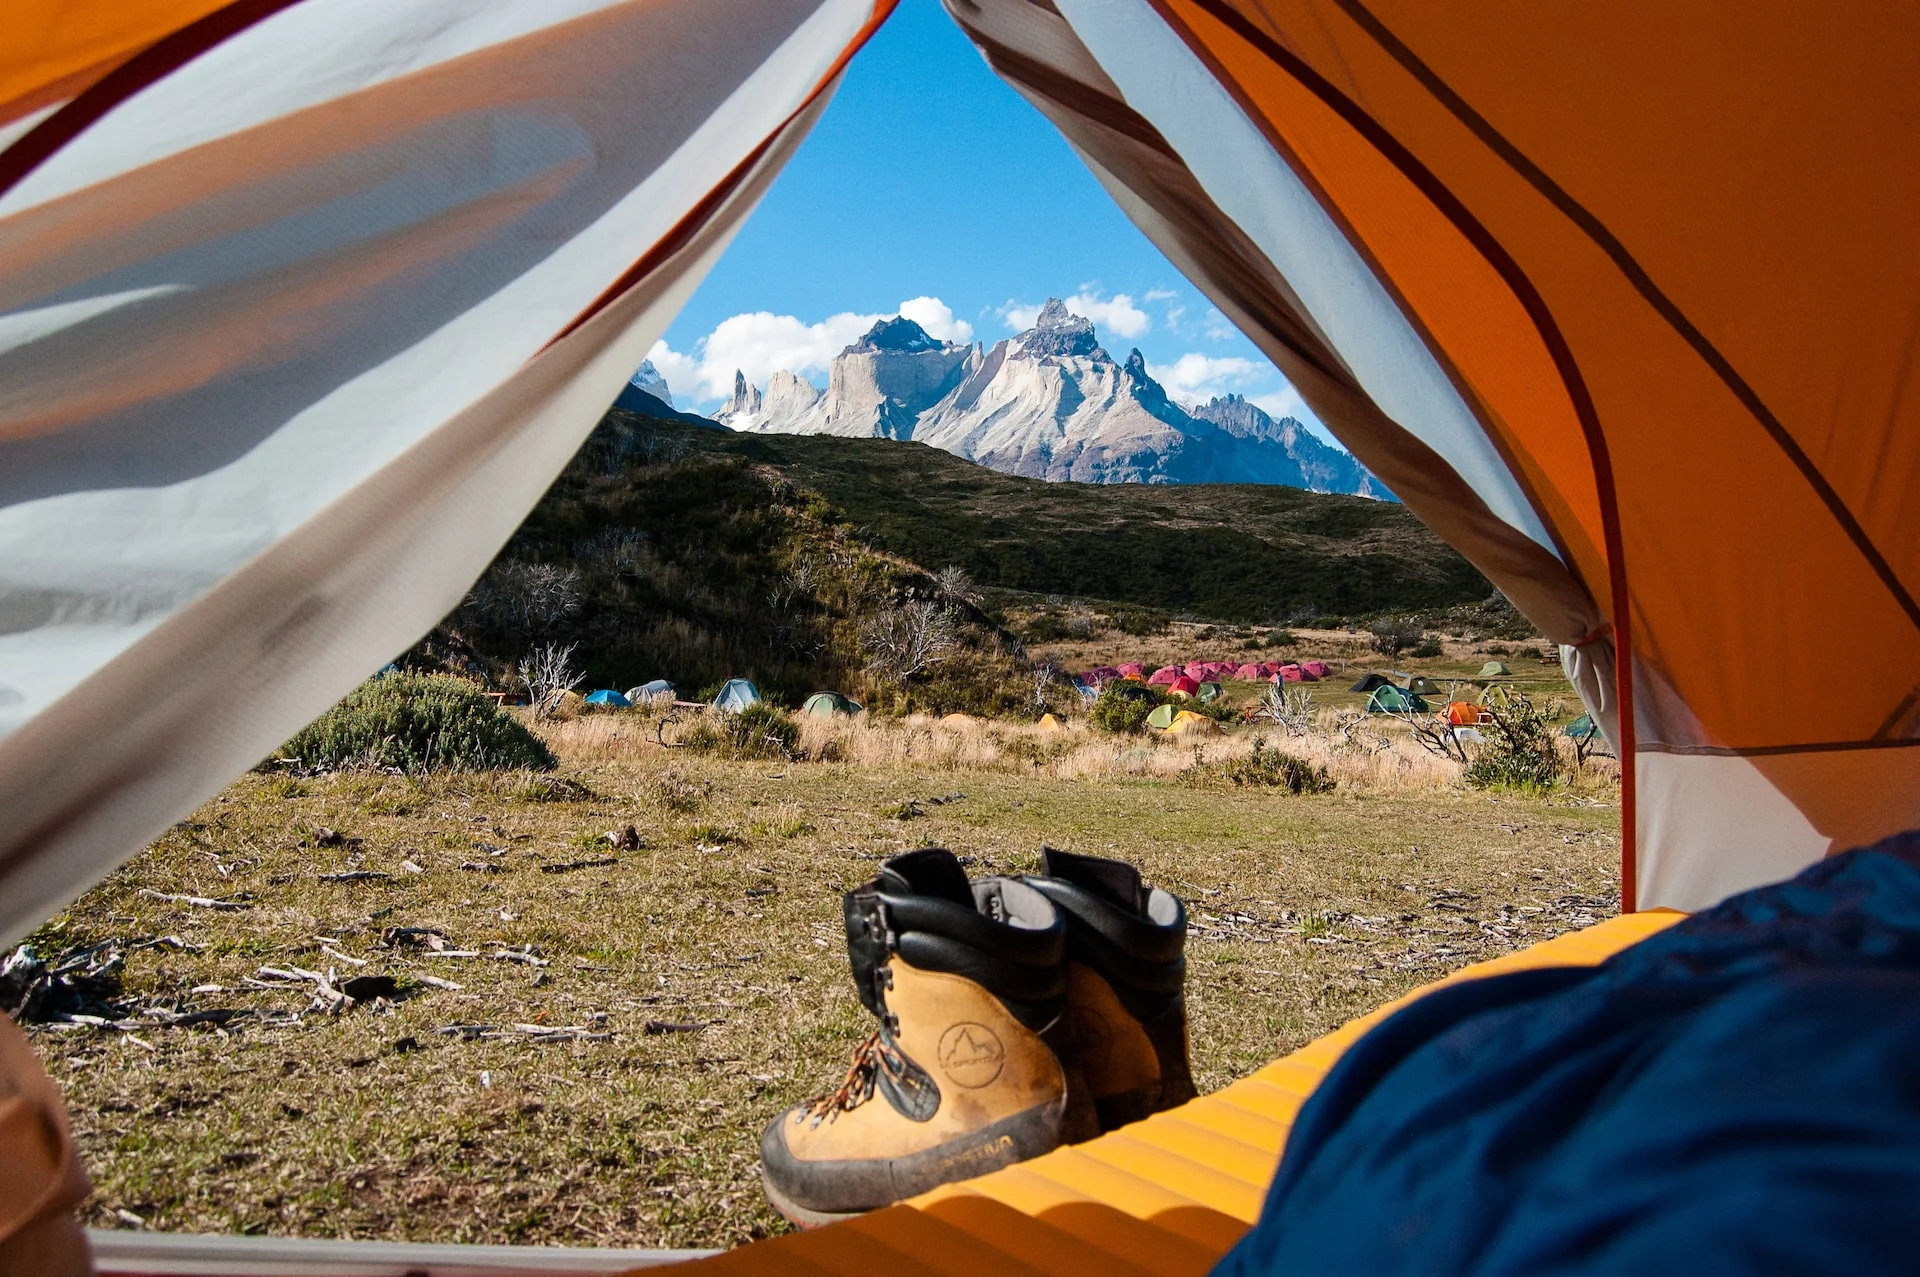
(1247, 553)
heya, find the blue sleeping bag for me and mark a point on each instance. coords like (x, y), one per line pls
(1738, 1094)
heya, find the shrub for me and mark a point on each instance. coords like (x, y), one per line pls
(418, 723)
(1392, 637)
(1519, 752)
(1044, 628)
(1281, 638)
(1264, 768)
(1429, 645)
(1113, 712)
(1139, 622)
(1277, 769)
(1219, 709)
(758, 731)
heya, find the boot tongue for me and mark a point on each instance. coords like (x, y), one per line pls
(930, 871)
(1114, 881)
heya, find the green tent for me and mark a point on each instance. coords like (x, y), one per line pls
(827, 704)
(1392, 700)
(1424, 686)
(1494, 669)
(1208, 692)
(1162, 717)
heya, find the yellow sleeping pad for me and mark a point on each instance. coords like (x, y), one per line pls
(1163, 1197)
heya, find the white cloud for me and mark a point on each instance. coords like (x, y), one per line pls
(1116, 316)
(1160, 295)
(760, 343)
(937, 318)
(1194, 377)
(680, 370)
(1217, 327)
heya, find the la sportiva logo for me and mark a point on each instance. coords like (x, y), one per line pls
(971, 1054)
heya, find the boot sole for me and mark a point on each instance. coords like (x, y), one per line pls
(799, 1216)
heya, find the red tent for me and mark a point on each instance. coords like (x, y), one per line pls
(1166, 674)
(1196, 670)
(1250, 672)
(1290, 674)
(1182, 686)
(1132, 669)
(1463, 713)
(1316, 668)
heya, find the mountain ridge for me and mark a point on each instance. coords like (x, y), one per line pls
(1049, 403)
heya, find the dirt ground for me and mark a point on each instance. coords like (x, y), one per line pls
(596, 1068)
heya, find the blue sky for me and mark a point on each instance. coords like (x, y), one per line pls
(931, 183)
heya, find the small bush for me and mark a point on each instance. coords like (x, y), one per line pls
(418, 723)
(706, 694)
(1281, 638)
(1045, 628)
(1139, 622)
(1429, 645)
(1519, 752)
(1219, 709)
(1276, 769)
(758, 731)
(1392, 637)
(1119, 714)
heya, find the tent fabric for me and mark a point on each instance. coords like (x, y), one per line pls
(1738, 1086)
(607, 696)
(1208, 692)
(1165, 675)
(650, 689)
(1162, 717)
(1581, 728)
(1425, 686)
(1573, 307)
(1049, 723)
(1370, 682)
(1290, 674)
(1463, 713)
(1188, 723)
(1182, 686)
(1394, 700)
(1315, 669)
(1494, 669)
(1131, 669)
(736, 694)
(1132, 692)
(365, 276)
(1249, 672)
(829, 704)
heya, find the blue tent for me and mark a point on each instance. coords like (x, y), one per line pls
(736, 695)
(607, 696)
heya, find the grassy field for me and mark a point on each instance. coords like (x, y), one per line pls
(627, 1019)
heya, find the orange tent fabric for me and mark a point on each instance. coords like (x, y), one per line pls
(1464, 713)
(1620, 303)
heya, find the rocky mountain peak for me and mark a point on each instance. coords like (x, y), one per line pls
(1058, 331)
(899, 335)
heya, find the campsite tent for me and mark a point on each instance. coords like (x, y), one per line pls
(1252, 672)
(1463, 713)
(1289, 674)
(1131, 669)
(647, 691)
(1048, 723)
(1196, 670)
(1132, 692)
(1494, 669)
(1188, 723)
(735, 695)
(1371, 681)
(828, 705)
(1208, 692)
(609, 698)
(1162, 717)
(1183, 686)
(1165, 675)
(1424, 686)
(1314, 669)
(1393, 700)
(1556, 281)
(1581, 728)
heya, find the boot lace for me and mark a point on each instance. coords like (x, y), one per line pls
(875, 1055)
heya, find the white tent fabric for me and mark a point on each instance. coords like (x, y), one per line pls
(292, 339)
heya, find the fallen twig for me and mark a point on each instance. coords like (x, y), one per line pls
(356, 875)
(198, 902)
(579, 864)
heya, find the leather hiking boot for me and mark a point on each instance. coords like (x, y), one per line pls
(1126, 979)
(968, 981)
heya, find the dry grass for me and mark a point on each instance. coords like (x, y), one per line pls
(705, 969)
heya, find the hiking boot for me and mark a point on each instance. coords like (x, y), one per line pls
(968, 982)
(1126, 977)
